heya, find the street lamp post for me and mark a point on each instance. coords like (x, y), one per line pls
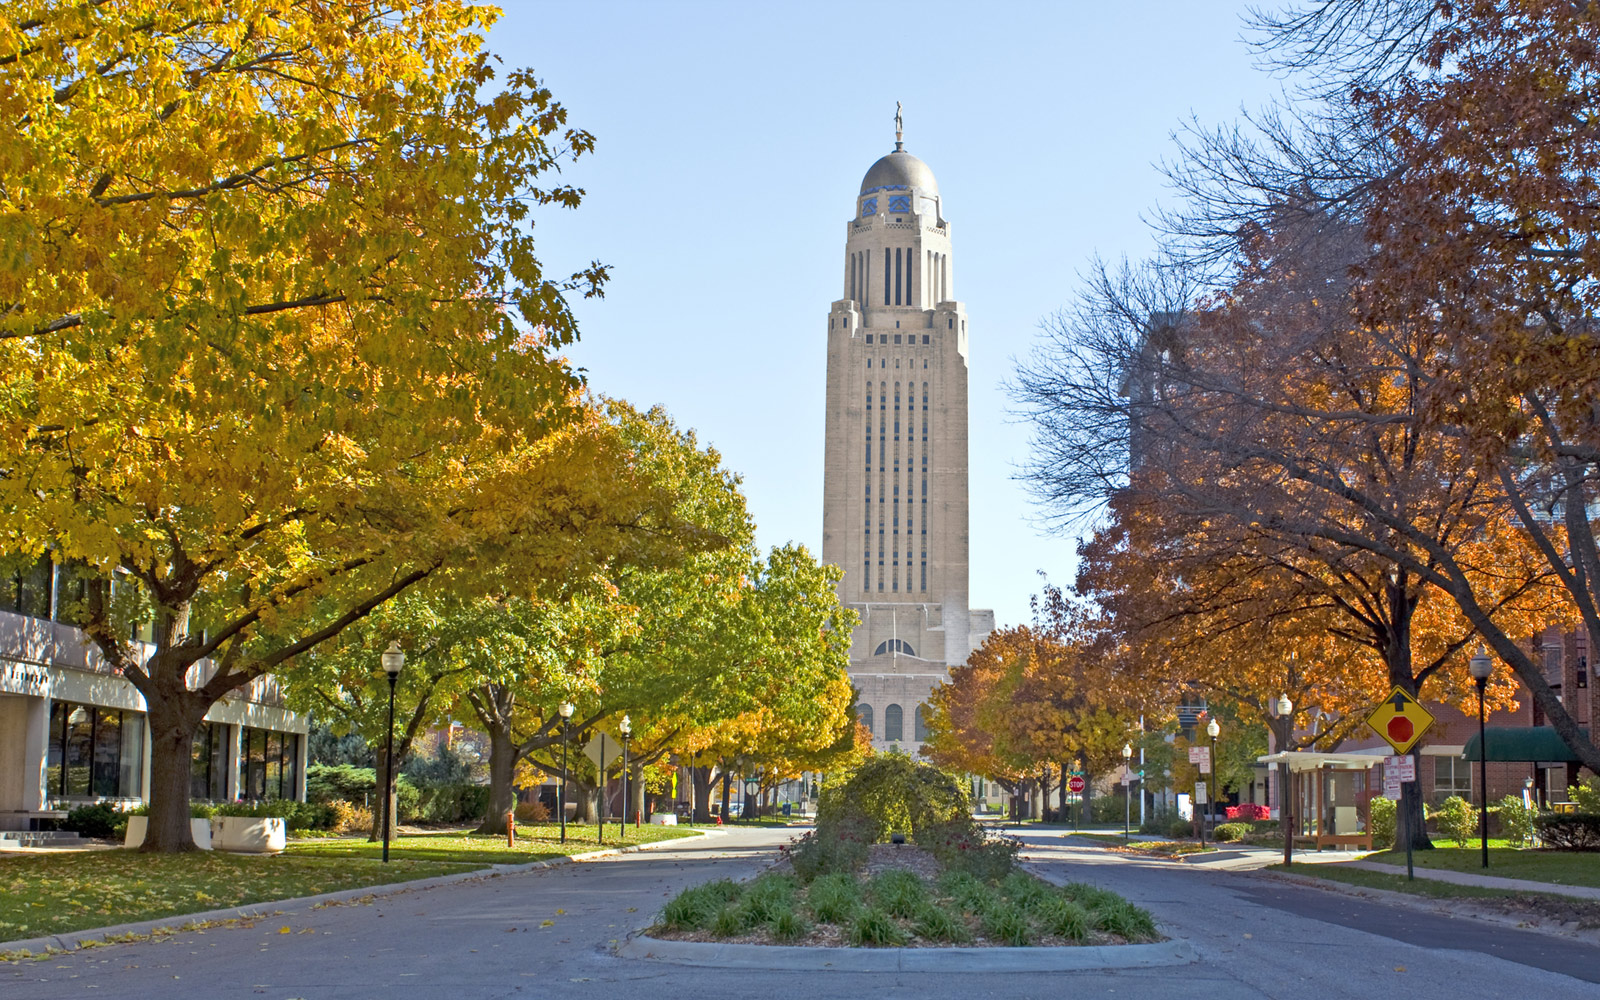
(393, 659)
(566, 710)
(1127, 758)
(626, 729)
(1283, 710)
(1213, 730)
(1481, 666)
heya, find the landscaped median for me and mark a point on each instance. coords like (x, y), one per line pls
(49, 894)
(859, 894)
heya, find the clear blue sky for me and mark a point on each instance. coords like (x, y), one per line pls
(732, 138)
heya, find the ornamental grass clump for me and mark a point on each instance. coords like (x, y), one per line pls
(789, 926)
(900, 893)
(936, 923)
(1125, 920)
(873, 928)
(1025, 890)
(696, 908)
(767, 899)
(1060, 917)
(834, 899)
(1005, 921)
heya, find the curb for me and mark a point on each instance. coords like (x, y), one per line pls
(73, 940)
(787, 958)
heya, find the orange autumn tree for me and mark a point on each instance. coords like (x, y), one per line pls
(1024, 701)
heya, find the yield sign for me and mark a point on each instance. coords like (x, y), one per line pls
(1400, 720)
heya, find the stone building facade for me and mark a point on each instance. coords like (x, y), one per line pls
(895, 473)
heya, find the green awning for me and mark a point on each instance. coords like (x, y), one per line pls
(1524, 743)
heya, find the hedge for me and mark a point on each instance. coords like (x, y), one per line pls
(1569, 831)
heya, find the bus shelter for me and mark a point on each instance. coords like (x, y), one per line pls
(1329, 792)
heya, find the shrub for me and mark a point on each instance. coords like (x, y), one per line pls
(873, 928)
(1456, 820)
(98, 820)
(1569, 831)
(1586, 796)
(1381, 822)
(533, 811)
(1227, 833)
(325, 783)
(892, 792)
(1248, 811)
(446, 803)
(1516, 821)
(816, 854)
(1180, 829)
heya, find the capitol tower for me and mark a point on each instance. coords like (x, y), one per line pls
(895, 459)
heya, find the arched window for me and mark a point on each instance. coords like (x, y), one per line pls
(921, 723)
(893, 723)
(894, 646)
(864, 714)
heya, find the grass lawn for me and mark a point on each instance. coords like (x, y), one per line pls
(1558, 867)
(55, 893)
(534, 843)
(1396, 883)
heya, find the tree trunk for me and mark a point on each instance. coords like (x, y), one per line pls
(502, 769)
(700, 792)
(381, 758)
(172, 725)
(1409, 823)
(582, 802)
(636, 812)
(725, 776)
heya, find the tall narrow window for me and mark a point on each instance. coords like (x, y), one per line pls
(887, 268)
(898, 267)
(893, 723)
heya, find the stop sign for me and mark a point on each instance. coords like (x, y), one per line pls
(1075, 783)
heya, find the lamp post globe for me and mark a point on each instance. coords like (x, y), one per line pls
(393, 660)
(1480, 667)
(565, 710)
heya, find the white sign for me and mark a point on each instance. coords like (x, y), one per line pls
(1200, 793)
(1200, 755)
(1401, 768)
(1205, 767)
(1391, 789)
(603, 744)
(1127, 775)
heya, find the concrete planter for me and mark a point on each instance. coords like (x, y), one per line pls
(249, 834)
(663, 819)
(138, 826)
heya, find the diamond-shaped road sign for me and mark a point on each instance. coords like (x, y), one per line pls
(1400, 720)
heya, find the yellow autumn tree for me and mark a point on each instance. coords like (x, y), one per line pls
(276, 343)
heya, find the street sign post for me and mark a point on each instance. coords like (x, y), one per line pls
(1401, 720)
(1201, 758)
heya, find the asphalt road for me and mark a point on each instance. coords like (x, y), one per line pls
(548, 934)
